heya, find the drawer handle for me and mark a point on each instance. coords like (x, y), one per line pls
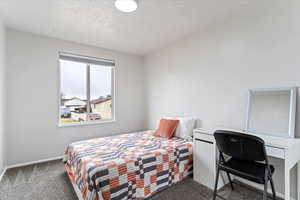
(209, 142)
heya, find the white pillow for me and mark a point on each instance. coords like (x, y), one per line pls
(185, 126)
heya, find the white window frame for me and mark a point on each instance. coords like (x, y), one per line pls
(85, 123)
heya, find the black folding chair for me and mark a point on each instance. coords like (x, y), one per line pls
(248, 159)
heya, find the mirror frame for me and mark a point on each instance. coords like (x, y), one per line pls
(292, 111)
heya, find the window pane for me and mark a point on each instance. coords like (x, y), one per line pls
(101, 93)
(73, 92)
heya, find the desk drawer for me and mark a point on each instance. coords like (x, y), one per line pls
(204, 137)
(275, 152)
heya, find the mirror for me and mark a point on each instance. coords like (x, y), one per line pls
(272, 111)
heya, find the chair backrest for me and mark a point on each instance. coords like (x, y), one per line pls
(240, 145)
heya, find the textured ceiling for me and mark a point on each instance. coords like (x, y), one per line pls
(154, 25)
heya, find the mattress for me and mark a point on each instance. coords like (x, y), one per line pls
(128, 166)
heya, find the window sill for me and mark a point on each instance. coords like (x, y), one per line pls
(61, 125)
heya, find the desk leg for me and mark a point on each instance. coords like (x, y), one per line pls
(287, 182)
(298, 180)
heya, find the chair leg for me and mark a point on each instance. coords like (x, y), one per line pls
(216, 184)
(273, 189)
(230, 181)
(265, 190)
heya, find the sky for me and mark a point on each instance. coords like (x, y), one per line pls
(73, 80)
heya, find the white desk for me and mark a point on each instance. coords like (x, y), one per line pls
(205, 157)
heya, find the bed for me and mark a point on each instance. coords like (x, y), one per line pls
(128, 166)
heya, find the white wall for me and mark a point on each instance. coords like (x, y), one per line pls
(32, 97)
(2, 97)
(208, 74)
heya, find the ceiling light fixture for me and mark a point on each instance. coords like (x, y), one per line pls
(126, 5)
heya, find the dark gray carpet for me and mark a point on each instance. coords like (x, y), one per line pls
(48, 181)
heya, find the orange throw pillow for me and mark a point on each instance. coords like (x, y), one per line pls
(166, 128)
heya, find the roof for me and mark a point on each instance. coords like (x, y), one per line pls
(100, 100)
(66, 101)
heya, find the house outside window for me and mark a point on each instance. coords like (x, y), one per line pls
(86, 90)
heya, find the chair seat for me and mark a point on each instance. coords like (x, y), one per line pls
(250, 170)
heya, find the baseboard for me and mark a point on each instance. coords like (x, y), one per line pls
(2, 174)
(34, 162)
(28, 163)
(259, 187)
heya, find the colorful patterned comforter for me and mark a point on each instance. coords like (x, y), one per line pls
(129, 166)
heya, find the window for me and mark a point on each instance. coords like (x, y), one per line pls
(86, 90)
